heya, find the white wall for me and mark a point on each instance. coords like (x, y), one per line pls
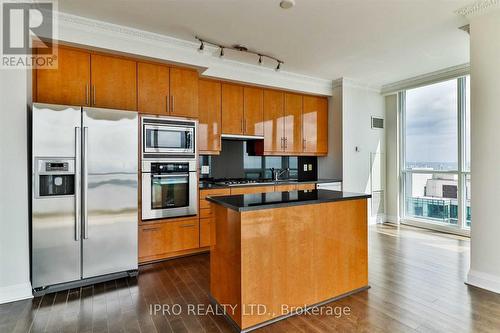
(330, 167)
(14, 249)
(392, 155)
(485, 140)
(354, 105)
(359, 104)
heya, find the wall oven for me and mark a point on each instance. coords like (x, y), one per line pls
(169, 189)
(168, 138)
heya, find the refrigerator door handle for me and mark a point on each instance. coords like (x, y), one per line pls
(85, 183)
(78, 199)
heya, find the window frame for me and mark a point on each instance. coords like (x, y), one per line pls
(461, 172)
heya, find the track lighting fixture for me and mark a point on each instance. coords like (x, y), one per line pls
(240, 48)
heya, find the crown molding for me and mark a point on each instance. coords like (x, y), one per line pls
(478, 8)
(425, 79)
(125, 40)
(351, 83)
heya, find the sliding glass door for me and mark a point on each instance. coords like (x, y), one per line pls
(435, 155)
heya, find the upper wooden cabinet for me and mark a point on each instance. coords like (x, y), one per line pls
(153, 88)
(273, 121)
(113, 82)
(69, 84)
(293, 123)
(253, 111)
(232, 109)
(183, 92)
(315, 125)
(209, 107)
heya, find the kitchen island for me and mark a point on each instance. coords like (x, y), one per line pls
(275, 253)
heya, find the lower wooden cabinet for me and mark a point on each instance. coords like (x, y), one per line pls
(205, 233)
(285, 188)
(252, 189)
(207, 221)
(164, 239)
(304, 187)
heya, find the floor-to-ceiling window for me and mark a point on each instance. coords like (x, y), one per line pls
(435, 155)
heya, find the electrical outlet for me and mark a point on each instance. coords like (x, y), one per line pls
(310, 167)
(205, 169)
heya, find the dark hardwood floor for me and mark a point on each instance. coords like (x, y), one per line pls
(416, 278)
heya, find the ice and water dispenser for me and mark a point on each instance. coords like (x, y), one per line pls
(55, 177)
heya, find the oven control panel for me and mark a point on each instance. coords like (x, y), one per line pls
(169, 167)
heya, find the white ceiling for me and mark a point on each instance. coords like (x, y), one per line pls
(376, 42)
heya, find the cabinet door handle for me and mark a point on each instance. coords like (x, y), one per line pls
(93, 94)
(281, 143)
(168, 103)
(244, 125)
(187, 225)
(173, 105)
(87, 94)
(304, 144)
(286, 142)
(241, 125)
(151, 229)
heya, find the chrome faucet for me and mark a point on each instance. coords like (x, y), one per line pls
(278, 173)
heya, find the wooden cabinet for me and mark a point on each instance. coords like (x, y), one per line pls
(232, 109)
(183, 92)
(153, 88)
(167, 238)
(304, 187)
(273, 121)
(293, 124)
(209, 107)
(205, 231)
(253, 111)
(69, 84)
(207, 215)
(242, 110)
(167, 91)
(315, 125)
(113, 82)
(285, 188)
(252, 189)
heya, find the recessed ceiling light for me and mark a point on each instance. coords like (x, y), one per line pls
(285, 4)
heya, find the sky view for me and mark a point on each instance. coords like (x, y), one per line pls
(431, 123)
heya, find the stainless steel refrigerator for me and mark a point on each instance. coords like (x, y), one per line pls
(84, 195)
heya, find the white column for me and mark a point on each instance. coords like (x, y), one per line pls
(485, 165)
(14, 240)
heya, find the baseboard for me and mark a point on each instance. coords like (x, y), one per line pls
(484, 281)
(15, 292)
(380, 218)
(392, 219)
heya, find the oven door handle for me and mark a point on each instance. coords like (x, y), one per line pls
(170, 175)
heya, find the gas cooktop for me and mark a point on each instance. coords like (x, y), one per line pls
(239, 181)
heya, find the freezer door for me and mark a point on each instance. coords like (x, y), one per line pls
(56, 245)
(109, 197)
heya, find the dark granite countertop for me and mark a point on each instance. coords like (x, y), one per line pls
(247, 202)
(204, 185)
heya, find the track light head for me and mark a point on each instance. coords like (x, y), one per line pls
(221, 52)
(278, 66)
(202, 46)
(260, 59)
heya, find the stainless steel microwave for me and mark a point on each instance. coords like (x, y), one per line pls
(164, 137)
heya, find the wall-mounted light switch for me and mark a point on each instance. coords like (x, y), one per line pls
(305, 167)
(205, 169)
